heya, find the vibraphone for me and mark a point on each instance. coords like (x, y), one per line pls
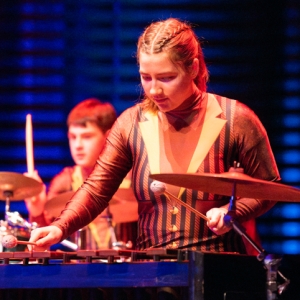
(197, 272)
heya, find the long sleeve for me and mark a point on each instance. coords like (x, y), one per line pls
(254, 153)
(93, 196)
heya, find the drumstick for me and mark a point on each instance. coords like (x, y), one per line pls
(10, 241)
(160, 188)
(29, 146)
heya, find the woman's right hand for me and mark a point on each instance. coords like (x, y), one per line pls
(44, 237)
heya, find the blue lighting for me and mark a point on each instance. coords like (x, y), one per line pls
(292, 85)
(285, 247)
(292, 31)
(30, 98)
(43, 8)
(34, 44)
(292, 67)
(292, 102)
(291, 139)
(290, 175)
(291, 247)
(291, 156)
(36, 80)
(291, 229)
(38, 62)
(290, 211)
(292, 48)
(45, 26)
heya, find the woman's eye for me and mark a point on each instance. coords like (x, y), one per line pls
(169, 78)
(146, 78)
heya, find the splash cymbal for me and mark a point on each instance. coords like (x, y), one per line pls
(18, 186)
(222, 184)
(122, 206)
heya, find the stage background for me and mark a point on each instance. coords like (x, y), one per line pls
(53, 54)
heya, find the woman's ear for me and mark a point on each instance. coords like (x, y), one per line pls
(195, 68)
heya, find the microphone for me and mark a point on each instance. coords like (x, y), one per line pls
(159, 188)
(10, 241)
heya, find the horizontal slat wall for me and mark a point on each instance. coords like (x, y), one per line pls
(31, 82)
(280, 228)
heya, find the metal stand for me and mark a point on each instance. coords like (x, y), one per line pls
(271, 262)
(81, 238)
(116, 245)
(8, 195)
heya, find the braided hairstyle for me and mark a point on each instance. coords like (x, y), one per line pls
(181, 43)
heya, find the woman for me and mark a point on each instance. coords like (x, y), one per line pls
(178, 128)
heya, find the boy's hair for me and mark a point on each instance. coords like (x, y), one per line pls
(93, 110)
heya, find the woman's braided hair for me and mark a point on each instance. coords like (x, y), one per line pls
(181, 43)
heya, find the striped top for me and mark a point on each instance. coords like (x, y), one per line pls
(226, 132)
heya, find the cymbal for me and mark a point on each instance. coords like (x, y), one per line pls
(55, 205)
(123, 205)
(222, 184)
(18, 185)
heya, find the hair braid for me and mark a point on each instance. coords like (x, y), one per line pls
(178, 39)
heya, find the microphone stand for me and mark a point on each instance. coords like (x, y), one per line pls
(271, 261)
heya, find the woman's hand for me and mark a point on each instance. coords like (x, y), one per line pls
(44, 237)
(216, 220)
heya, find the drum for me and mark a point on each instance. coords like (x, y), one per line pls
(18, 227)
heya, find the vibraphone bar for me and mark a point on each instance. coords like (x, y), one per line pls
(125, 268)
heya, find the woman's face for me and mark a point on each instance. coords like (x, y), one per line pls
(163, 82)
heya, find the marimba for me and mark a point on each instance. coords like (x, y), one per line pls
(202, 275)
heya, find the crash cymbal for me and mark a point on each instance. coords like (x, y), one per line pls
(18, 186)
(222, 184)
(122, 206)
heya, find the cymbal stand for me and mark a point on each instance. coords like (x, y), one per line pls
(271, 262)
(116, 245)
(8, 194)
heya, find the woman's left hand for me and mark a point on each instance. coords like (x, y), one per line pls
(216, 220)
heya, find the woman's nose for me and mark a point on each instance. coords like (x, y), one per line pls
(155, 90)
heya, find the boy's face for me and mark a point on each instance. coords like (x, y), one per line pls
(86, 143)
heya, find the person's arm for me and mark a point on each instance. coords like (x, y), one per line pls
(92, 198)
(253, 152)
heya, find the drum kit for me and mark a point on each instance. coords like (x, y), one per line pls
(16, 187)
(123, 208)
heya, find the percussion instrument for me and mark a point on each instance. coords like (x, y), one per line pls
(17, 186)
(17, 226)
(189, 270)
(123, 208)
(222, 184)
